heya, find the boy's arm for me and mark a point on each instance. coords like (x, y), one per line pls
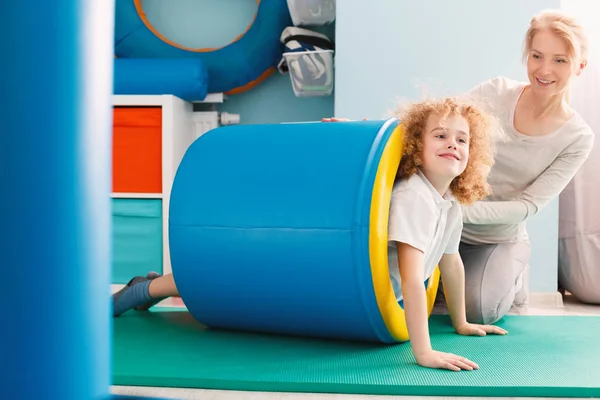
(410, 262)
(453, 278)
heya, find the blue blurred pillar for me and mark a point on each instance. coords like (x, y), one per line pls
(56, 60)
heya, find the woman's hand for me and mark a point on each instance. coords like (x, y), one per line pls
(439, 360)
(335, 120)
(339, 119)
(479, 330)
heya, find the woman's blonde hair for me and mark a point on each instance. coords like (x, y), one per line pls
(563, 25)
(472, 184)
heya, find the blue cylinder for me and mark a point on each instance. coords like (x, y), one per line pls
(55, 162)
(283, 229)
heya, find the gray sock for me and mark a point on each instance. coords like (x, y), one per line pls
(133, 295)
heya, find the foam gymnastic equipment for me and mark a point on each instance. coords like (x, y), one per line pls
(237, 67)
(283, 229)
(186, 78)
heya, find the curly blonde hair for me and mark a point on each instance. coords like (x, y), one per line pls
(471, 185)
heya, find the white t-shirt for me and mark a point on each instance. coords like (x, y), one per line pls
(421, 217)
(529, 171)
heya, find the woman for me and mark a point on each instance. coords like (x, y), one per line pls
(545, 143)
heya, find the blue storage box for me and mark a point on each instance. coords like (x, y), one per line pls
(137, 238)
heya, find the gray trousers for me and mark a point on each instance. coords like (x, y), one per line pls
(493, 278)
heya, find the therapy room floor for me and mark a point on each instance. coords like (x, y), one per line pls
(571, 307)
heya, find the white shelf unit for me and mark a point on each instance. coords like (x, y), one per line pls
(178, 131)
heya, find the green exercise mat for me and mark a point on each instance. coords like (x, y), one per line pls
(549, 356)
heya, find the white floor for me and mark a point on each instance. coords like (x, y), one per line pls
(570, 306)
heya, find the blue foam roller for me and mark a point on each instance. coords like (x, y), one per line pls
(186, 78)
(283, 229)
(235, 67)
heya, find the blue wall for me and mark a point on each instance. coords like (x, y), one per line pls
(417, 48)
(210, 23)
(412, 49)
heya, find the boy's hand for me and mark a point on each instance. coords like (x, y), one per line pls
(479, 330)
(437, 359)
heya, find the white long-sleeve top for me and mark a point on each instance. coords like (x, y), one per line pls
(529, 171)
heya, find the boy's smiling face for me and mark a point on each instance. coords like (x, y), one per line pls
(445, 146)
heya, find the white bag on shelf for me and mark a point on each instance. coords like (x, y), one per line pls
(311, 12)
(308, 58)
